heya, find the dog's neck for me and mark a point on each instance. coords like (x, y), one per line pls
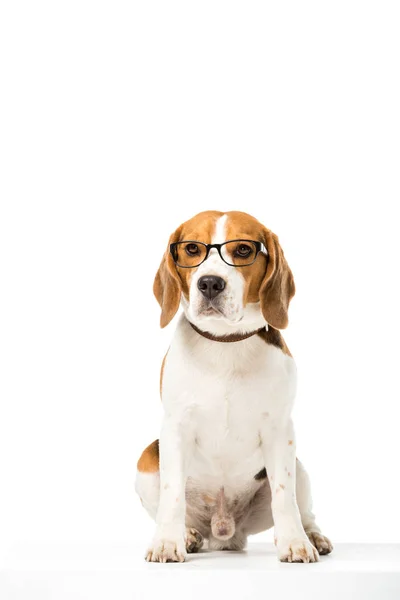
(230, 337)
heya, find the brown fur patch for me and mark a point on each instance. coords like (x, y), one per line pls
(274, 337)
(170, 280)
(243, 226)
(150, 459)
(268, 280)
(199, 228)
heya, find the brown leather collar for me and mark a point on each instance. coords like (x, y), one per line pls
(231, 337)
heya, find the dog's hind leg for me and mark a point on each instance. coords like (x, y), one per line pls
(259, 516)
(304, 502)
(147, 486)
(194, 540)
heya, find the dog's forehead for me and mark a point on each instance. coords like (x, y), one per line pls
(240, 225)
(200, 227)
(216, 227)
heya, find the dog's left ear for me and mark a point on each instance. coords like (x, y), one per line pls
(167, 284)
(277, 288)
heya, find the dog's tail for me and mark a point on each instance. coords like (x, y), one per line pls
(222, 523)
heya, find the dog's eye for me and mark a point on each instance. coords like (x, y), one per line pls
(192, 249)
(243, 251)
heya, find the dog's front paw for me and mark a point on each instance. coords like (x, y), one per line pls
(297, 550)
(168, 545)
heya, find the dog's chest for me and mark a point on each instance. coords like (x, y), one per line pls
(227, 430)
(226, 410)
(224, 392)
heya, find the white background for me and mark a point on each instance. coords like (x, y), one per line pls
(119, 120)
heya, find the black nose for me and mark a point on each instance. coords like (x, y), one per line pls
(210, 286)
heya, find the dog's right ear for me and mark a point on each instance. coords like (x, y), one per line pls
(278, 287)
(167, 284)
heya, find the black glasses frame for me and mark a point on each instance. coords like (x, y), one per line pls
(172, 249)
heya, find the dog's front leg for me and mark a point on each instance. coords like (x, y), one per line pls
(168, 544)
(279, 451)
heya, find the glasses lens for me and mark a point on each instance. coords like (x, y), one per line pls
(239, 253)
(189, 254)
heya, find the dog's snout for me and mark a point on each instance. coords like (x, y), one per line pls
(211, 285)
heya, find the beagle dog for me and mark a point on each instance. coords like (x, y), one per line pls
(225, 465)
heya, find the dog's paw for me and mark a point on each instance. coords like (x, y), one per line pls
(321, 543)
(194, 540)
(168, 545)
(298, 550)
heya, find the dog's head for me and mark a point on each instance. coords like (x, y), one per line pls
(229, 272)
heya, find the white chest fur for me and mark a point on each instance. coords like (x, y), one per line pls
(221, 393)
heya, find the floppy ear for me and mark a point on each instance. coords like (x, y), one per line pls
(167, 285)
(277, 288)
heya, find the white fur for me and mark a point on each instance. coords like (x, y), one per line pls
(227, 415)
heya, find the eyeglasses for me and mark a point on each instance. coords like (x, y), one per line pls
(235, 253)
